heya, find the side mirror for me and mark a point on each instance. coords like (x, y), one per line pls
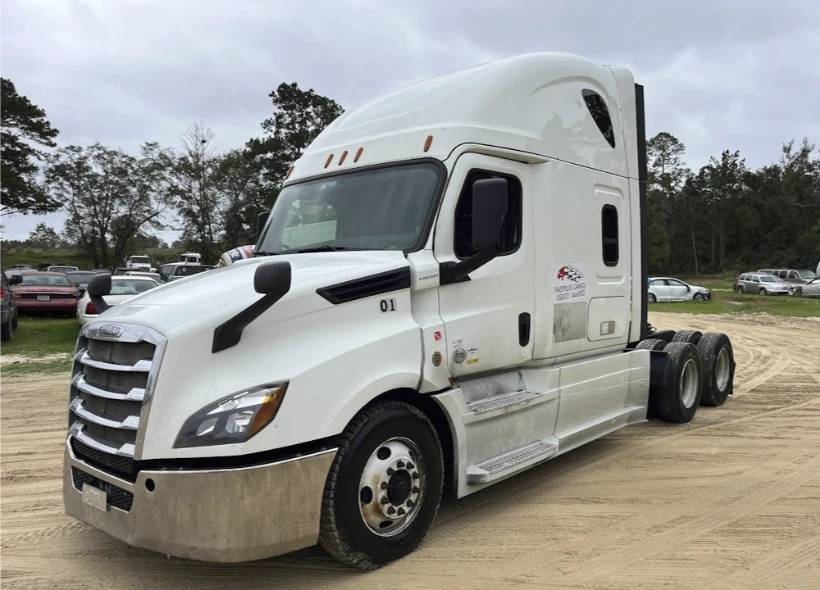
(272, 279)
(489, 212)
(98, 287)
(15, 279)
(260, 224)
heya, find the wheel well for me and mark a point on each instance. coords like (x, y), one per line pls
(436, 415)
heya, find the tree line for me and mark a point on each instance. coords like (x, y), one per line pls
(722, 217)
(115, 202)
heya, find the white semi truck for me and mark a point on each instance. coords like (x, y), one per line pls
(450, 289)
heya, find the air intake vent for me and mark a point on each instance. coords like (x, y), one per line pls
(385, 282)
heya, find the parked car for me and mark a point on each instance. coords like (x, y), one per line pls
(101, 271)
(123, 288)
(8, 310)
(671, 289)
(63, 268)
(180, 271)
(810, 289)
(761, 283)
(791, 275)
(142, 273)
(45, 292)
(81, 278)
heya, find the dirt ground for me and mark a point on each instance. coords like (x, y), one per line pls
(731, 500)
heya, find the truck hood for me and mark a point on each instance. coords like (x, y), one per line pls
(214, 296)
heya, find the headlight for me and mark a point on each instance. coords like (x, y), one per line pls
(233, 419)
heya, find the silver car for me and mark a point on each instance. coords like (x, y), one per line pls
(760, 283)
(793, 276)
(810, 289)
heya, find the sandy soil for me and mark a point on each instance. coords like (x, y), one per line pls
(731, 500)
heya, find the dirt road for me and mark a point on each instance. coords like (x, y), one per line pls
(731, 500)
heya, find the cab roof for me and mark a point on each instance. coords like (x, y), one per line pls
(533, 103)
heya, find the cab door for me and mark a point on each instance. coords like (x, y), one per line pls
(488, 316)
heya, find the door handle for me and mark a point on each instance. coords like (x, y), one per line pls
(524, 329)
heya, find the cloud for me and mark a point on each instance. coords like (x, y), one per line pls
(722, 74)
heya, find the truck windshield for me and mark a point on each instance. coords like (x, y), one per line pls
(377, 209)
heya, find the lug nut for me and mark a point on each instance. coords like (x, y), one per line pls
(401, 512)
(415, 475)
(392, 510)
(416, 489)
(385, 500)
(400, 464)
(384, 485)
(410, 503)
(410, 466)
(390, 471)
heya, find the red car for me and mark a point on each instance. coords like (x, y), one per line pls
(45, 291)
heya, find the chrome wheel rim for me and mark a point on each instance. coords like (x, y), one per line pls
(689, 382)
(722, 369)
(391, 488)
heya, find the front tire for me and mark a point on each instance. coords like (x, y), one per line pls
(762, 292)
(384, 487)
(651, 298)
(798, 292)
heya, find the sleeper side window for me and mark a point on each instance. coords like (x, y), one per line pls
(600, 114)
(511, 230)
(609, 235)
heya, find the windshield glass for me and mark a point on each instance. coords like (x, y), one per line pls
(48, 280)
(140, 260)
(130, 286)
(770, 279)
(381, 209)
(806, 274)
(81, 277)
(186, 271)
(62, 268)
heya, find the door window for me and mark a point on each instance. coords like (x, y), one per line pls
(511, 230)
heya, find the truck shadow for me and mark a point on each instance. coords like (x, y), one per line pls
(313, 568)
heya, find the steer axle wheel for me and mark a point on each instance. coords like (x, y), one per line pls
(384, 487)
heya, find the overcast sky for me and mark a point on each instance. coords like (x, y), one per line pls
(718, 74)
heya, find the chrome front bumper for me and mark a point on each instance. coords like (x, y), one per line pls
(219, 515)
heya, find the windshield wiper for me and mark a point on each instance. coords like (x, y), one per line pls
(324, 248)
(265, 253)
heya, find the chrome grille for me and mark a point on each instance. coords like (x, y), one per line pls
(114, 369)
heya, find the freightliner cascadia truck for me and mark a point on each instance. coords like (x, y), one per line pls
(450, 289)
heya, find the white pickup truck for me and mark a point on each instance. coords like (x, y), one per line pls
(450, 289)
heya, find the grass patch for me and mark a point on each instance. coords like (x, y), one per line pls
(45, 367)
(38, 337)
(40, 345)
(724, 300)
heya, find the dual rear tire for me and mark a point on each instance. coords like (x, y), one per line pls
(696, 369)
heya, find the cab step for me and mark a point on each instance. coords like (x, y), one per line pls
(510, 462)
(501, 401)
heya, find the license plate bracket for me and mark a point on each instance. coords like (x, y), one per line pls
(95, 497)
